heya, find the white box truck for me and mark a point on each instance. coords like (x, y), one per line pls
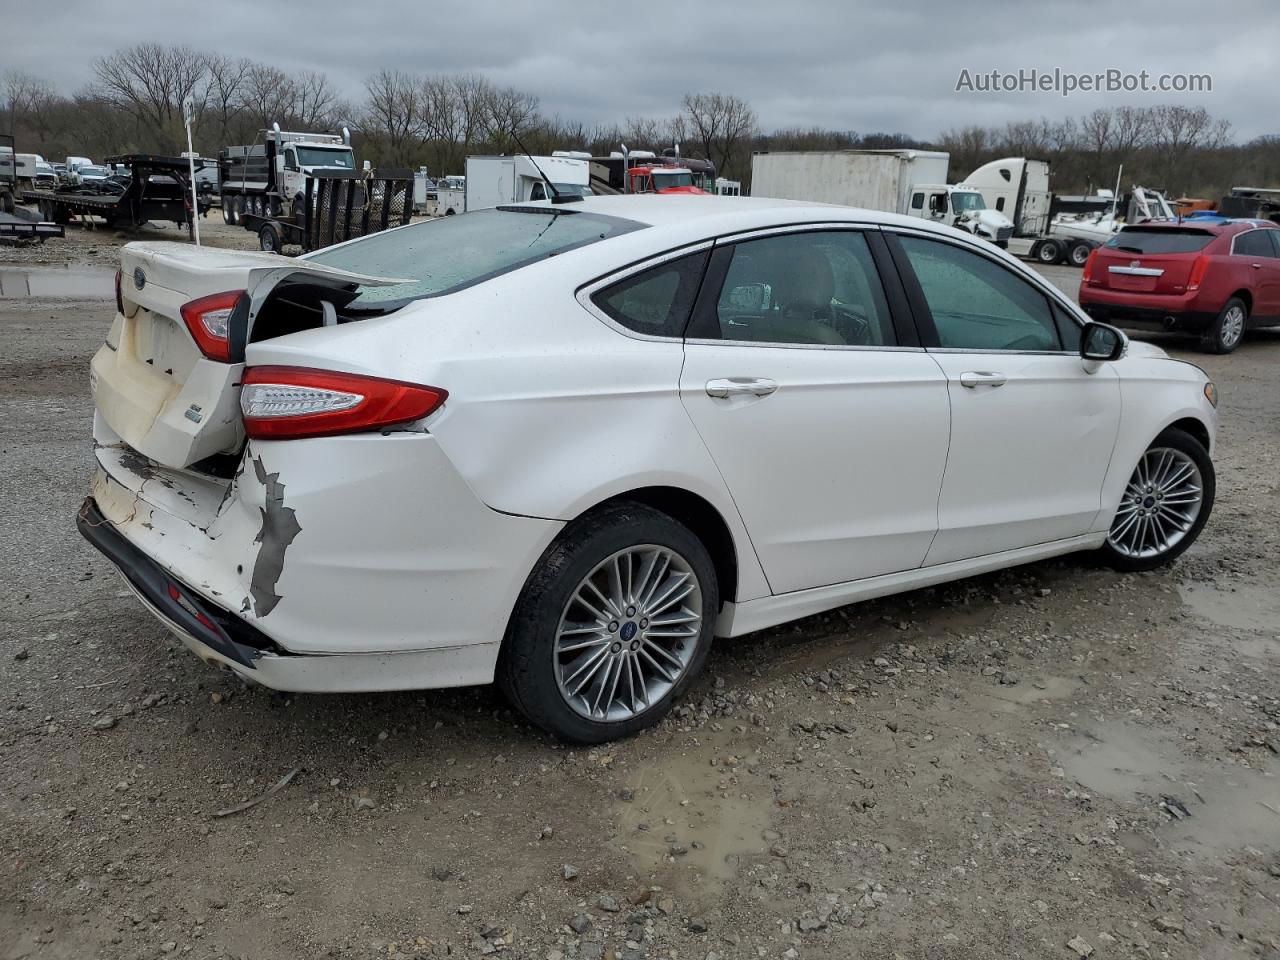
(910, 182)
(492, 181)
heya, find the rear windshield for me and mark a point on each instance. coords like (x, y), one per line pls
(1159, 240)
(455, 252)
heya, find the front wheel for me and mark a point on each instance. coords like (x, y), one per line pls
(1165, 505)
(612, 626)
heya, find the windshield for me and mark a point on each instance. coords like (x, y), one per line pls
(960, 202)
(44, 168)
(94, 172)
(664, 181)
(1159, 240)
(445, 255)
(341, 159)
(574, 190)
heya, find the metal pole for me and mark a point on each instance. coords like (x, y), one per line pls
(191, 164)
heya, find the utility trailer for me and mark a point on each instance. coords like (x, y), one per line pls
(157, 190)
(337, 206)
(18, 224)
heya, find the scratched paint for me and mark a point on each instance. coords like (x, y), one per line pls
(279, 527)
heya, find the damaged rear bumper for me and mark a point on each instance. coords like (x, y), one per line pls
(198, 623)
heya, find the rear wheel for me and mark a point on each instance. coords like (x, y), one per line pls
(612, 625)
(1165, 504)
(1049, 252)
(226, 212)
(235, 205)
(1079, 253)
(1228, 329)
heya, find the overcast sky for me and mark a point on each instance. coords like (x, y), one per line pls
(890, 66)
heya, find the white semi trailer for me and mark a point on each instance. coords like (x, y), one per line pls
(910, 182)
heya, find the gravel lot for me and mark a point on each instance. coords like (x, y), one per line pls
(1055, 761)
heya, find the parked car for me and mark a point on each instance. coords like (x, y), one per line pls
(1216, 279)
(46, 178)
(93, 173)
(572, 442)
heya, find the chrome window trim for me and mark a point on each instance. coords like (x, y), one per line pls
(1073, 309)
(584, 293)
(771, 345)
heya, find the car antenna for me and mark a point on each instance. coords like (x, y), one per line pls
(556, 195)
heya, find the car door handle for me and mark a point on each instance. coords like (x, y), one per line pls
(982, 378)
(1256, 266)
(741, 387)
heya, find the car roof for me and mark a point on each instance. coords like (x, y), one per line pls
(712, 214)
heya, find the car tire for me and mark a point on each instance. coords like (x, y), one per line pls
(1049, 251)
(1228, 329)
(1079, 253)
(1174, 452)
(226, 214)
(269, 238)
(557, 684)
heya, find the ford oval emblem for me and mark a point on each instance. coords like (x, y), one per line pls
(139, 278)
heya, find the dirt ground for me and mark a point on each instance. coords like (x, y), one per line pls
(1054, 761)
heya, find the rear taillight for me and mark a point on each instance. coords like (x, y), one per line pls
(119, 295)
(1197, 272)
(289, 403)
(1087, 276)
(209, 320)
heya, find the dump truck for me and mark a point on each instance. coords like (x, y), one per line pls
(269, 176)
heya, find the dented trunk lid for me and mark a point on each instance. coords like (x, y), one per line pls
(151, 383)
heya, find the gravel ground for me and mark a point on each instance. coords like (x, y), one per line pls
(1055, 761)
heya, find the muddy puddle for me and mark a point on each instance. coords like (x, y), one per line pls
(72, 281)
(1209, 809)
(689, 825)
(1242, 607)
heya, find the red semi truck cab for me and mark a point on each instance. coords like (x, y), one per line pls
(662, 178)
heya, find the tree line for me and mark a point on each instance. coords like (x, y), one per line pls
(135, 104)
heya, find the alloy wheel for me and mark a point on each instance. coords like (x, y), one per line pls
(1160, 504)
(628, 633)
(1233, 326)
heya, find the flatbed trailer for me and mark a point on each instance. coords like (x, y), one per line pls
(23, 225)
(158, 190)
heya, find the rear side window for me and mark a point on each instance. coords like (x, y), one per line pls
(1159, 240)
(451, 253)
(656, 302)
(1255, 243)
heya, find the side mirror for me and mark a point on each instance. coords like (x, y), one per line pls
(1102, 342)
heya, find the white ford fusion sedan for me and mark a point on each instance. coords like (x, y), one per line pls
(564, 446)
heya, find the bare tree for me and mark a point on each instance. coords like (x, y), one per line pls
(1177, 131)
(314, 101)
(224, 95)
(396, 113)
(151, 82)
(722, 124)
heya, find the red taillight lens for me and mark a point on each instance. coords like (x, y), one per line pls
(289, 403)
(119, 295)
(1087, 276)
(1197, 272)
(209, 320)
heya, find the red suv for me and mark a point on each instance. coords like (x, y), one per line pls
(1214, 279)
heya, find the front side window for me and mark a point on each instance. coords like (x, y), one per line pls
(804, 288)
(976, 303)
(917, 201)
(656, 302)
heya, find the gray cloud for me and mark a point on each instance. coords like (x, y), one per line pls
(858, 66)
